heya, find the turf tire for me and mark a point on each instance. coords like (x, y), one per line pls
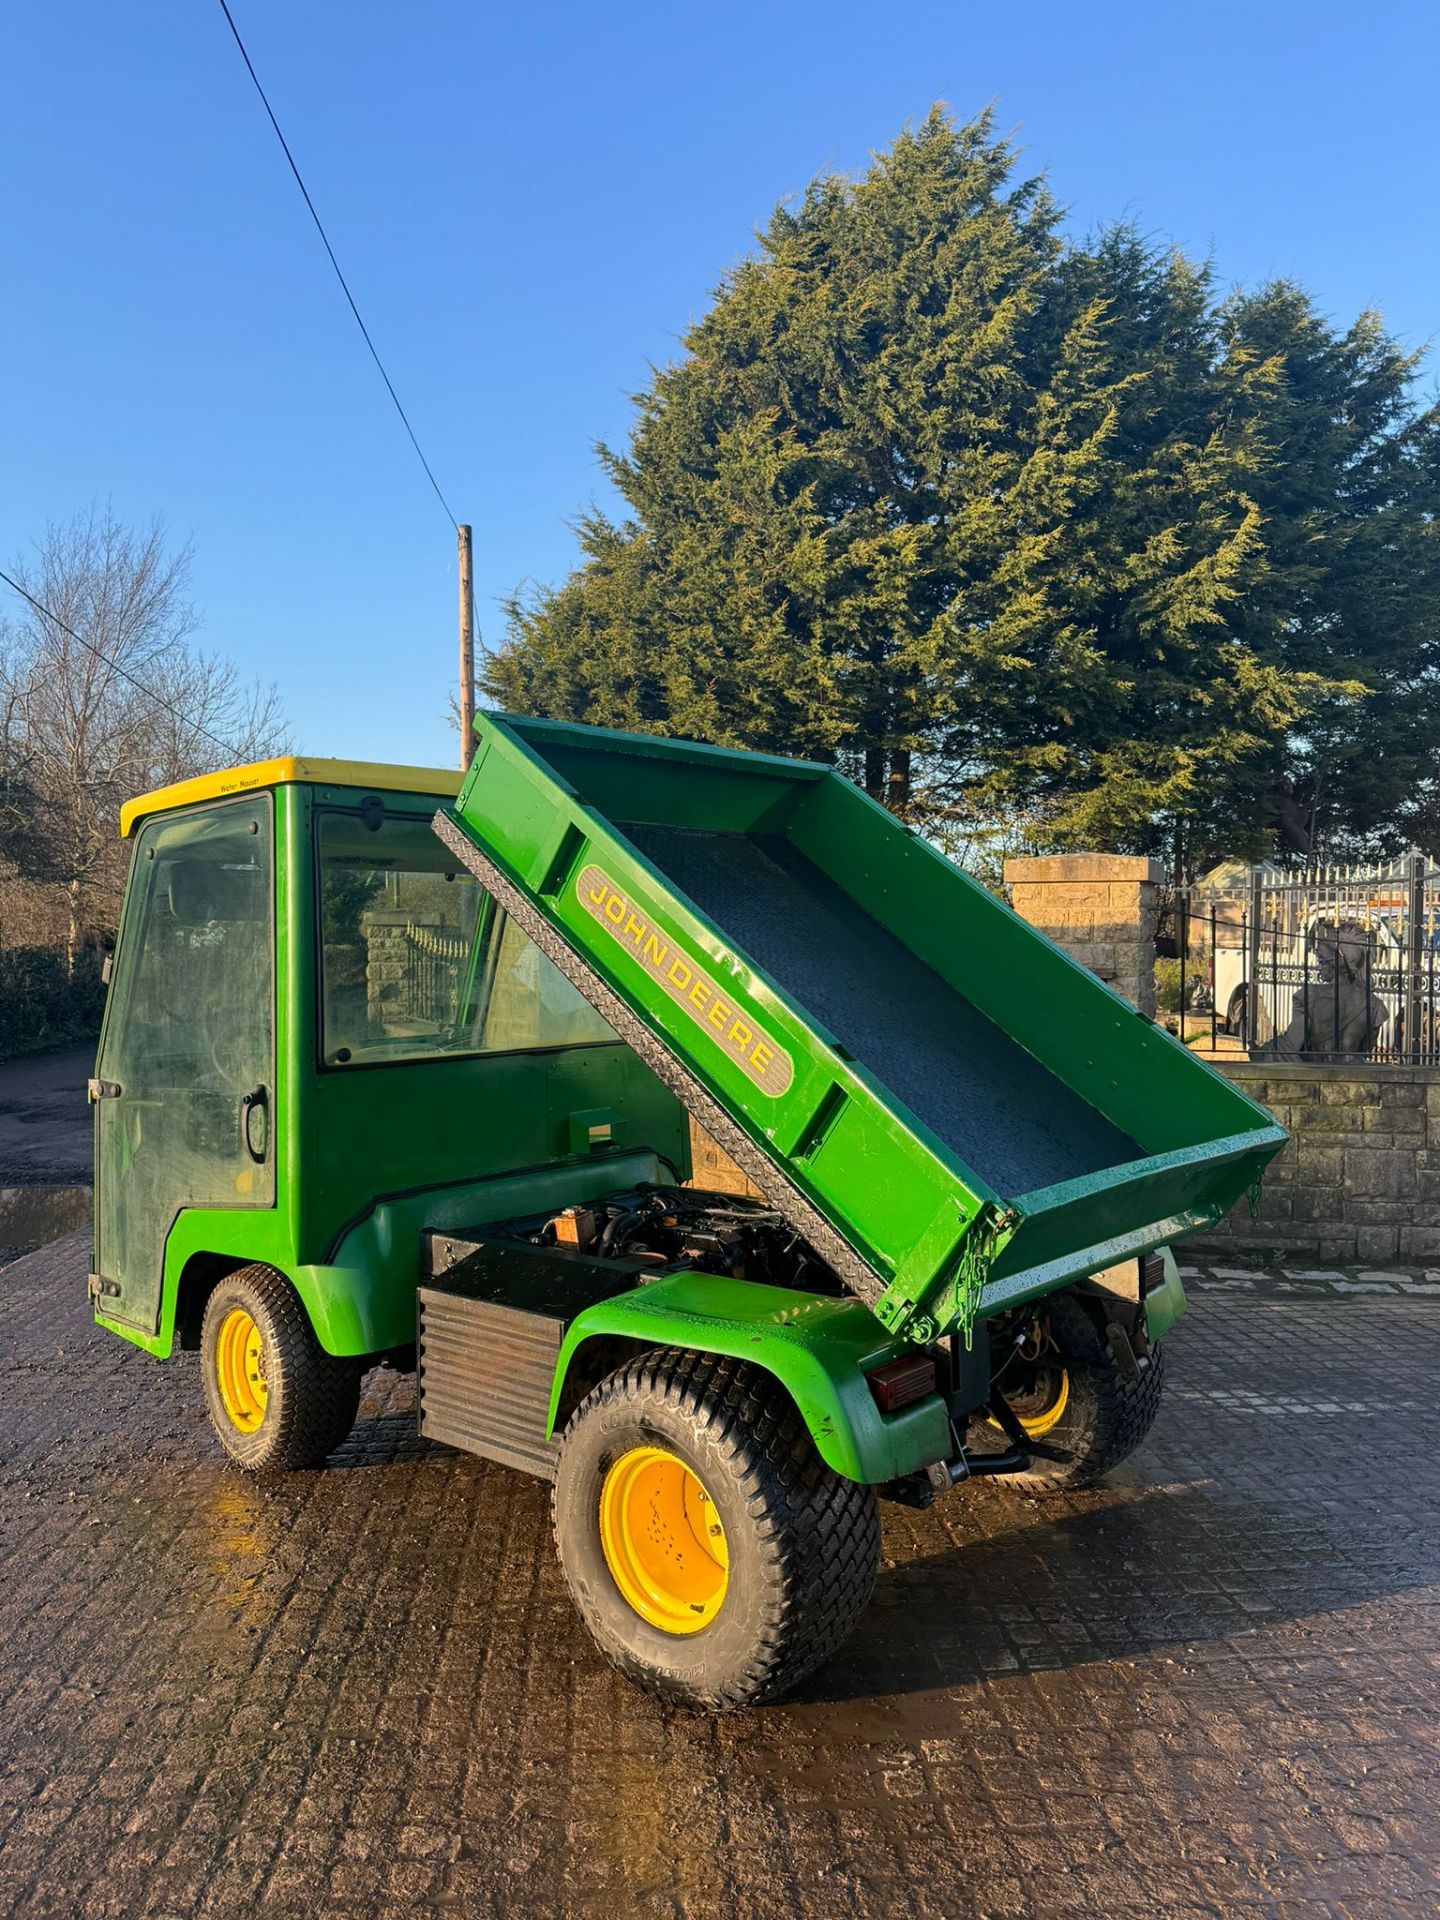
(803, 1542)
(311, 1397)
(1106, 1416)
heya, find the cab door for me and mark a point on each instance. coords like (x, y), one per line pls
(184, 1080)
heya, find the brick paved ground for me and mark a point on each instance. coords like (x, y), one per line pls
(1209, 1689)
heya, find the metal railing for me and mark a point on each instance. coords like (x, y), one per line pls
(432, 977)
(1337, 963)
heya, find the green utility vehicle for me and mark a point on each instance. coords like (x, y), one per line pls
(399, 1070)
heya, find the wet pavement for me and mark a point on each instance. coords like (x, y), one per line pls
(45, 1130)
(1210, 1688)
(45, 1148)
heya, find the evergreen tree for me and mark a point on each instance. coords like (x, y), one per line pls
(1018, 529)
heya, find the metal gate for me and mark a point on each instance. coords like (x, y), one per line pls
(1334, 963)
(432, 977)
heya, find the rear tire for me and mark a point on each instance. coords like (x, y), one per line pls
(276, 1399)
(1098, 1417)
(714, 1557)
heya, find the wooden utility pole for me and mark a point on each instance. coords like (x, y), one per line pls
(467, 653)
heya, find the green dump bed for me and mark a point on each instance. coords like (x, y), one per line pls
(955, 1114)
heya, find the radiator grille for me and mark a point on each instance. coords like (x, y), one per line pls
(485, 1376)
(493, 1316)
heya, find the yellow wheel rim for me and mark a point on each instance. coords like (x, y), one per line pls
(663, 1541)
(240, 1370)
(1042, 1406)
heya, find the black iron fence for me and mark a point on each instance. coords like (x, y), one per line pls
(432, 977)
(1337, 963)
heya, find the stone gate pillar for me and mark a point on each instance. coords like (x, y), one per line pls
(1101, 907)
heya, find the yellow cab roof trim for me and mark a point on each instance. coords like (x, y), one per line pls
(277, 773)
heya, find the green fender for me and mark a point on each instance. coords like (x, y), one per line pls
(1165, 1304)
(355, 1309)
(818, 1347)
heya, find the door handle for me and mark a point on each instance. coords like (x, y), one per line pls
(253, 1104)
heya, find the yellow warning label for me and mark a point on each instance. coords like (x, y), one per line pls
(739, 1034)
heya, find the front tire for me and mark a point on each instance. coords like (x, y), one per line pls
(714, 1557)
(1073, 1396)
(276, 1399)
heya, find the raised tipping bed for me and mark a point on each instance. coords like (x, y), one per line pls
(953, 1111)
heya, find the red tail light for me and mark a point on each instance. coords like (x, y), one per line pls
(900, 1383)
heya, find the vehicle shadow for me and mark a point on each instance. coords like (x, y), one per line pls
(381, 1440)
(1110, 1576)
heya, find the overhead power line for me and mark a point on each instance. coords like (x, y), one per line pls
(141, 686)
(344, 284)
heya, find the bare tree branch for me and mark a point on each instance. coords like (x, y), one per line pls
(78, 737)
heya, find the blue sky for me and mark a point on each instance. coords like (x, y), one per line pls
(530, 204)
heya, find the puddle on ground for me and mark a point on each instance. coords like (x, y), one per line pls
(34, 1216)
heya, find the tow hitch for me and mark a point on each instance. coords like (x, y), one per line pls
(919, 1490)
(1131, 1350)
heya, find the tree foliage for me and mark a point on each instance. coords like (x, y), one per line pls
(1025, 532)
(86, 723)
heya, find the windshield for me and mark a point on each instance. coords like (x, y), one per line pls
(416, 961)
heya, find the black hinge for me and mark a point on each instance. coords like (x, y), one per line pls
(102, 1090)
(99, 1287)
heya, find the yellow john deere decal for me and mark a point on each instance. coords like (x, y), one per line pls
(688, 985)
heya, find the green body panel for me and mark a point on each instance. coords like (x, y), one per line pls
(366, 1158)
(365, 1301)
(818, 1347)
(550, 806)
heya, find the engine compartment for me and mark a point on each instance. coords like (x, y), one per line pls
(658, 1230)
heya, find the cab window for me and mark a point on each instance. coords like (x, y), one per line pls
(417, 962)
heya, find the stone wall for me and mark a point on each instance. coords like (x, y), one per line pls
(1101, 907)
(1359, 1182)
(713, 1167)
(388, 960)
